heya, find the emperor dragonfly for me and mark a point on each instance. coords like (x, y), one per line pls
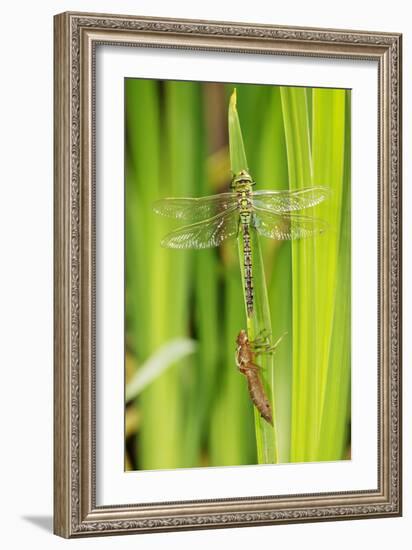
(223, 216)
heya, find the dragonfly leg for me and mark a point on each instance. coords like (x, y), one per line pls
(265, 347)
(262, 339)
(263, 335)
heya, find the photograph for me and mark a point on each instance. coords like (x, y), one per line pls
(237, 298)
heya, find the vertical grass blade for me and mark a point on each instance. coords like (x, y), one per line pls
(259, 321)
(272, 173)
(207, 323)
(231, 423)
(305, 382)
(333, 439)
(253, 111)
(328, 150)
(238, 161)
(181, 147)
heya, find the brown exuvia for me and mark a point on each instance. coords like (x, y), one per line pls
(245, 359)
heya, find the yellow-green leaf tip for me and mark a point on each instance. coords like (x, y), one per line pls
(233, 99)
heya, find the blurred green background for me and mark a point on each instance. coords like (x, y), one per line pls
(186, 404)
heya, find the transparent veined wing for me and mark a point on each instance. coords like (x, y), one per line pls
(195, 209)
(205, 234)
(290, 201)
(284, 227)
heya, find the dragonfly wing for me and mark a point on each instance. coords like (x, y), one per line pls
(284, 227)
(205, 234)
(195, 209)
(290, 201)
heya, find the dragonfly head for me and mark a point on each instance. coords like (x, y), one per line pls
(242, 180)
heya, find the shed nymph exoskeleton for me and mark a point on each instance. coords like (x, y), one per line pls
(246, 354)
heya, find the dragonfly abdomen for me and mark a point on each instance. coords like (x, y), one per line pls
(245, 214)
(247, 266)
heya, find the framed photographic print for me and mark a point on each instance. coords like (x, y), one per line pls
(227, 274)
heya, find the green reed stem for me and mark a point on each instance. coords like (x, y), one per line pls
(259, 321)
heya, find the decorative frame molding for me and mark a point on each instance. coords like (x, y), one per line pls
(75, 38)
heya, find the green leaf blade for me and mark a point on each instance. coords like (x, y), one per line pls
(259, 321)
(238, 160)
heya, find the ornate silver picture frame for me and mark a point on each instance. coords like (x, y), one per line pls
(76, 510)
